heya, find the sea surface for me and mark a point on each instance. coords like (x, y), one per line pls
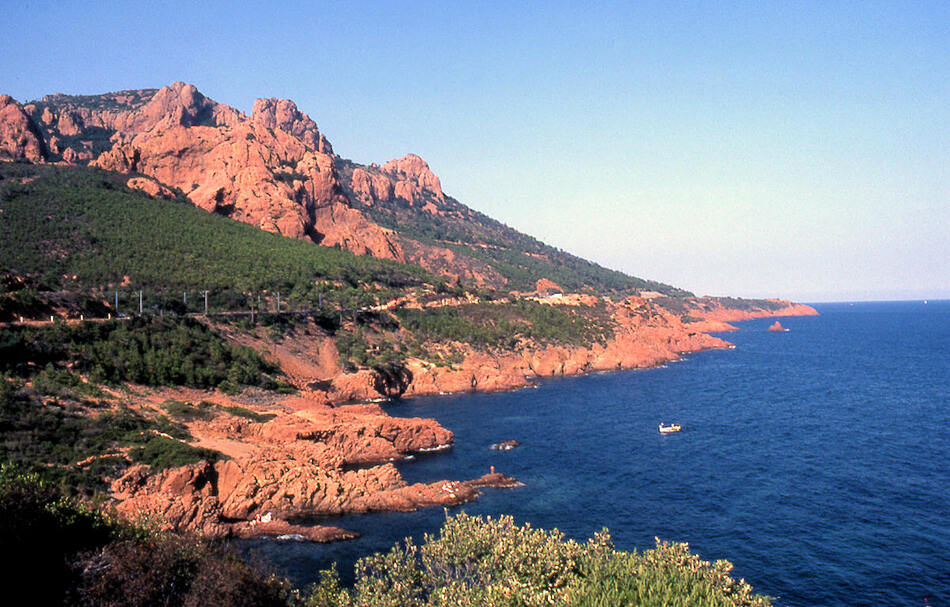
(816, 460)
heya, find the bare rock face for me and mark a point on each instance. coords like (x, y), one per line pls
(274, 171)
(150, 187)
(412, 176)
(180, 104)
(408, 179)
(19, 137)
(546, 287)
(283, 114)
(296, 464)
(371, 187)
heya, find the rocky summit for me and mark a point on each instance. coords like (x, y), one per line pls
(276, 171)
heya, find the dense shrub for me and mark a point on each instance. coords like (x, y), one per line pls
(174, 571)
(493, 562)
(502, 325)
(160, 453)
(61, 552)
(40, 532)
(150, 351)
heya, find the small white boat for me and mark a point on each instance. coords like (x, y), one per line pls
(670, 429)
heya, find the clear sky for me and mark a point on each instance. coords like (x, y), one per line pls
(797, 149)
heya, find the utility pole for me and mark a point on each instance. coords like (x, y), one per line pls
(116, 303)
(184, 298)
(278, 302)
(206, 303)
(140, 302)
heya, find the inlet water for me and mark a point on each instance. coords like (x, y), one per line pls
(816, 460)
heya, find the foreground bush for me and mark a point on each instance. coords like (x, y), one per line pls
(61, 552)
(58, 551)
(169, 570)
(494, 562)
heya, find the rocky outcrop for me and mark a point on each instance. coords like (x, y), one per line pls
(150, 187)
(19, 137)
(408, 179)
(249, 171)
(545, 287)
(283, 114)
(274, 170)
(179, 105)
(776, 327)
(314, 460)
(411, 178)
(713, 309)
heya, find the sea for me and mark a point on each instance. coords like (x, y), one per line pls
(816, 460)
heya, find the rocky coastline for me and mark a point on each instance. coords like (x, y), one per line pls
(322, 454)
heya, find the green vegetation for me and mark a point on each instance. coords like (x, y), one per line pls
(78, 443)
(204, 410)
(738, 303)
(189, 412)
(62, 222)
(518, 257)
(248, 414)
(149, 351)
(504, 325)
(68, 553)
(161, 452)
(475, 562)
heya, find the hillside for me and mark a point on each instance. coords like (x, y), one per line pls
(85, 228)
(276, 171)
(186, 321)
(74, 239)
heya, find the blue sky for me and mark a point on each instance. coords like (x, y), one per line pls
(797, 150)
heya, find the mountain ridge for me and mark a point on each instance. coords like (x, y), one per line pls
(274, 169)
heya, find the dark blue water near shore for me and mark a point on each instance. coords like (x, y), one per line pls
(817, 460)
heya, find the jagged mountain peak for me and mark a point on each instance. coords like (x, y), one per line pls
(275, 170)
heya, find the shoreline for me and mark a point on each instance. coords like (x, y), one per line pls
(331, 452)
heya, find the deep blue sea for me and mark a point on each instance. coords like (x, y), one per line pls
(816, 460)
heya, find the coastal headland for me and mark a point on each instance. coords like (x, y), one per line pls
(218, 298)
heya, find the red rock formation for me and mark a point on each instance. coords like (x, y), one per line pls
(411, 177)
(273, 170)
(251, 170)
(290, 466)
(370, 187)
(179, 104)
(19, 137)
(776, 327)
(283, 114)
(712, 309)
(546, 287)
(150, 187)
